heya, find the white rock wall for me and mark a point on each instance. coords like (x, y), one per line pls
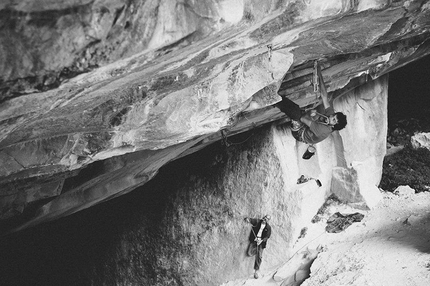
(348, 163)
(185, 226)
(261, 178)
(364, 142)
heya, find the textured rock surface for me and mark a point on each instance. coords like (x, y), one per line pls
(96, 96)
(363, 142)
(185, 226)
(421, 140)
(383, 249)
(93, 109)
(388, 247)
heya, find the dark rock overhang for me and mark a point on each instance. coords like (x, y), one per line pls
(100, 135)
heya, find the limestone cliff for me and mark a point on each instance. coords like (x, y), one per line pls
(97, 96)
(185, 227)
(160, 79)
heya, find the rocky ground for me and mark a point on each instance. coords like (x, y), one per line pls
(390, 246)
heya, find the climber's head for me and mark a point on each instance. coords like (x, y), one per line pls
(266, 218)
(337, 121)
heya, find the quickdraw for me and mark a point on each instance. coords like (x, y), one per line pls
(224, 138)
(315, 77)
(270, 51)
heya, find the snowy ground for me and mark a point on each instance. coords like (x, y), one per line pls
(389, 247)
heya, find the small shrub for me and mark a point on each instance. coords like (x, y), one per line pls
(407, 167)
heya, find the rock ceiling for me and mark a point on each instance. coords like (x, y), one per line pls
(96, 96)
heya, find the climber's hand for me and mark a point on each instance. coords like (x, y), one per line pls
(258, 240)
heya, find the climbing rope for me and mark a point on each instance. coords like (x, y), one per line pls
(228, 143)
(305, 245)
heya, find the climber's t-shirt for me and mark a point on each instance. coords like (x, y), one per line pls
(317, 131)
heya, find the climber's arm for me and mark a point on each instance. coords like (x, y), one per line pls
(323, 90)
(306, 120)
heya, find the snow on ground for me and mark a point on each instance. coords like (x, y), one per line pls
(389, 247)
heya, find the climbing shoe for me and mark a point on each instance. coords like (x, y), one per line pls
(309, 153)
(256, 275)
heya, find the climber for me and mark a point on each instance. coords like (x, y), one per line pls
(260, 233)
(314, 126)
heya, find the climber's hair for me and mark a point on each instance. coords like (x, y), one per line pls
(341, 121)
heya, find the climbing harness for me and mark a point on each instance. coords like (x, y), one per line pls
(252, 228)
(321, 118)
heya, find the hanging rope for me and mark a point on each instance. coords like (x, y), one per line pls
(305, 245)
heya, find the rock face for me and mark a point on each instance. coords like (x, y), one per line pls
(363, 142)
(67, 148)
(97, 96)
(185, 226)
(420, 140)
